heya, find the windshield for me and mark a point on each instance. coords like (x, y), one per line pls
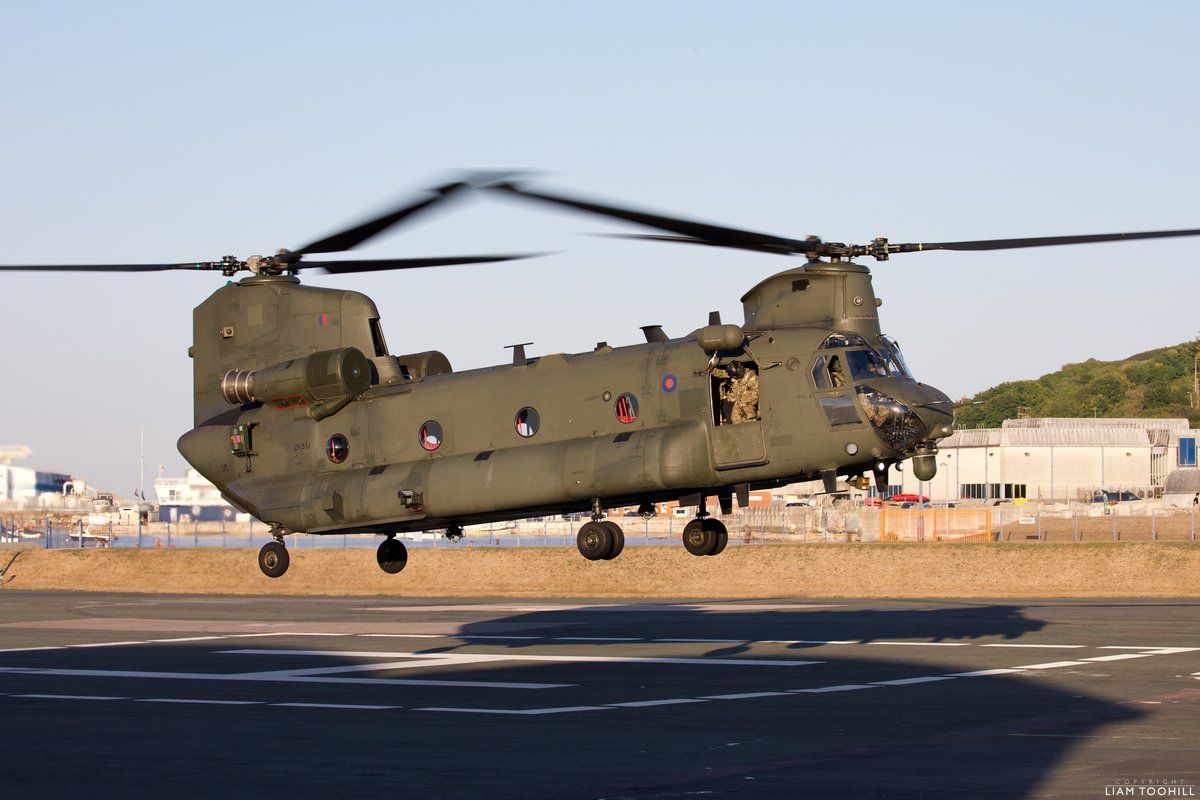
(890, 349)
(865, 364)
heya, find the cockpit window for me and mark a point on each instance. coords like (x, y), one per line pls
(865, 364)
(377, 338)
(836, 340)
(819, 376)
(890, 349)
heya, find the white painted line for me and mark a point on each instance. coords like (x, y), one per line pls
(69, 697)
(503, 638)
(924, 644)
(191, 701)
(1119, 657)
(813, 641)
(982, 673)
(106, 644)
(743, 696)
(698, 641)
(847, 687)
(32, 649)
(1052, 665)
(186, 639)
(1046, 646)
(910, 681)
(281, 678)
(1167, 651)
(524, 712)
(402, 635)
(351, 706)
(677, 701)
(594, 639)
(498, 657)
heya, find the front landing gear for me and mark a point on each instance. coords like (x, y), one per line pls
(392, 555)
(273, 559)
(705, 536)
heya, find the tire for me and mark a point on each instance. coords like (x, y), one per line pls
(618, 537)
(720, 534)
(699, 539)
(273, 559)
(595, 541)
(392, 556)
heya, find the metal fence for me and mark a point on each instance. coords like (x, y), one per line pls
(774, 524)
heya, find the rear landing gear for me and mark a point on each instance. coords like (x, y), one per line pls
(705, 536)
(392, 555)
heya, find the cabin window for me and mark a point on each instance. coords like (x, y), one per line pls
(337, 448)
(626, 408)
(430, 435)
(528, 422)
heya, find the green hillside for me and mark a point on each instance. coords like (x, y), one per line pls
(1158, 383)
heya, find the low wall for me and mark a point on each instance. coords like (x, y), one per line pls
(1160, 569)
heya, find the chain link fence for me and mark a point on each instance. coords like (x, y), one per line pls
(774, 524)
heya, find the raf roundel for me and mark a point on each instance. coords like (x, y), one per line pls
(669, 383)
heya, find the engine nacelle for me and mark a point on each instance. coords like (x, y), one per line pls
(328, 379)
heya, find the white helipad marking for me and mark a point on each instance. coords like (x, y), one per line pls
(1119, 657)
(743, 695)
(192, 701)
(531, 712)
(910, 681)
(32, 649)
(594, 639)
(106, 644)
(351, 706)
(1047, 646)
(924, 644)
(572, 659)
(402, 635)
(675, 701)
(982, 673)
(846, 687)
(1052, 665)
(69, 697)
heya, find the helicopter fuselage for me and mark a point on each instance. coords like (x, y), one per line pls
(414, 446)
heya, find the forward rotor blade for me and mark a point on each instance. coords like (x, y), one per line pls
(203, 265)
(381, 264)
(1042, 241)
(352, 237)
(696, 232)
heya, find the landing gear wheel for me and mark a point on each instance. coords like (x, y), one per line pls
(392, 556)
(618, 538)
(699, 539)
(273, 559)
(719, 530)
(595, 541)
(705, 536)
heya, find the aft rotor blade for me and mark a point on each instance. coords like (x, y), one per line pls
(696, 232)
(352, 237)
(1042, 241)
(381, 264)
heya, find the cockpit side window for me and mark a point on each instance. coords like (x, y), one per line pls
(865, 364)
(837, 375)
(819, 375)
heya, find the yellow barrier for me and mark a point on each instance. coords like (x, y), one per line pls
(935, 525)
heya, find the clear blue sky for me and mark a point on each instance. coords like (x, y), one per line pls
(162, 132)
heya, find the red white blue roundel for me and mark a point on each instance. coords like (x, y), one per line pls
(669, 383)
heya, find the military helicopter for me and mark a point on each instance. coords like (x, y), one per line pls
(305, 419)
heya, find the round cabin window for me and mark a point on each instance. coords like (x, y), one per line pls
(528, 422)
(338, 448)
(626, 408)
(431, 435)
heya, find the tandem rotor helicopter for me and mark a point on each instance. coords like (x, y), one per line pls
(304, 418)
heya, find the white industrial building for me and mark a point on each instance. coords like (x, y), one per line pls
(1065, 460)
